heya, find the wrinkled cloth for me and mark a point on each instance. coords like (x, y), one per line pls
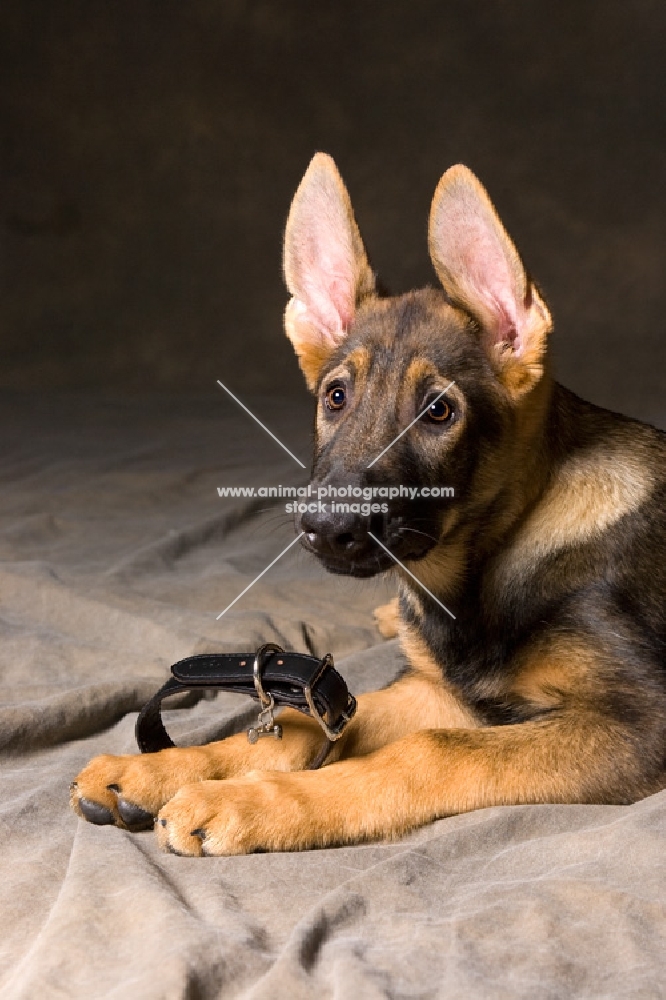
(116, 556)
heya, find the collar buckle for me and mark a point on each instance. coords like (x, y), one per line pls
(332, 733)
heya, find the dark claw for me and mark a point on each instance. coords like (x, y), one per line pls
(96, 813)
(134, 817)
(163, 822)
(199, 832)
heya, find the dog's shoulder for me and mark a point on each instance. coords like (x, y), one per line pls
(606, 482)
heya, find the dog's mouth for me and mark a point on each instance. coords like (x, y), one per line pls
(367, 556)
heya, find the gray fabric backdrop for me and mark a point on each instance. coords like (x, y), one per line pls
(116, 554)
(150, 152)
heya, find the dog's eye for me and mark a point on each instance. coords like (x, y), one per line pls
(439, 412)
(336, 397)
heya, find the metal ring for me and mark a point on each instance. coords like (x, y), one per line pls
(268, 647)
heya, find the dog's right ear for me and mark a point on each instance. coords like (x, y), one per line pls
(325, 266)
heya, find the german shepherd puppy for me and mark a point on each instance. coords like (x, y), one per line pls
(549, 685)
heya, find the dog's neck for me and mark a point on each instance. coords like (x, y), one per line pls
(507, 489)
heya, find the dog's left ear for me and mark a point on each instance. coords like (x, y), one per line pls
(482, 273)
(325, 266)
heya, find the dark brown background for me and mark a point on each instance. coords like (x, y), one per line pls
(150, 150)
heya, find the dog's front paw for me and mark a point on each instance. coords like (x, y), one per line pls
(256, 813)
(106, 792)
(129, 790)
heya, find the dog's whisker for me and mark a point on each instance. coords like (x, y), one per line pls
(425, 534)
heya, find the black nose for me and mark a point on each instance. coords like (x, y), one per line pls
(335, 534)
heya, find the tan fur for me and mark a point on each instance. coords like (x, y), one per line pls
(443, 567)
(386, 619)
(312, 353)
(589, 493)
(151, 780)
(412, 781)
(417, 369)
(556, 670)
(458, 714)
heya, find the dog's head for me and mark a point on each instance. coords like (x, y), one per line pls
(419, 391)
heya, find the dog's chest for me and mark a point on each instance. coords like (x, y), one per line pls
(476, 650)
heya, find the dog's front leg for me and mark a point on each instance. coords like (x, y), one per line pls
(130, 790)
(576, 758)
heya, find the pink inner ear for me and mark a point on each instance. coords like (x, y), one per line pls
(329, 307)
(486, 279)
(343, 300)
(326, 279)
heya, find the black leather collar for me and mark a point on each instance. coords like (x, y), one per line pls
(272, 676)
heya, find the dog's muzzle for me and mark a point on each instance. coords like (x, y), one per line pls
(343, 542)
